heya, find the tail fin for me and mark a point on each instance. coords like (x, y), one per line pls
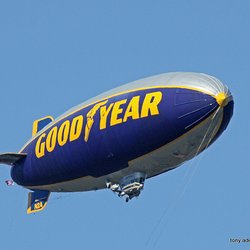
(11, 158)
(37, 201)
(40, 124)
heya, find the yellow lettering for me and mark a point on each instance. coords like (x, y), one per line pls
(104, 111)
(132, 109)
(90, 119)
(76, 128)
(115, 112)
(51, 139)
(151, 103)
(63, 133)
(40, 146)
(38, 205)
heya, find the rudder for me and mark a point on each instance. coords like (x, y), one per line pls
(37, 201)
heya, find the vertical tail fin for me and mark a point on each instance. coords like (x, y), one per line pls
(37, 201)
(40, 124)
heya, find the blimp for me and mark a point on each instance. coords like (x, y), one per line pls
(119, 139)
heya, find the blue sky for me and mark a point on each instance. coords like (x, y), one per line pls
(57, 54)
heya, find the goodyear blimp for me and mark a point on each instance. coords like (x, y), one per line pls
(122, 137)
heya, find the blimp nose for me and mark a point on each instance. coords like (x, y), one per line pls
(219, 90)
(222, 99)
(209, 85)
(202, 96)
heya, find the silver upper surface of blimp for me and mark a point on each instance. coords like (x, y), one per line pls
(198, 81)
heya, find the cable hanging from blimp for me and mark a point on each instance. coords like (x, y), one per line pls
(182, 189)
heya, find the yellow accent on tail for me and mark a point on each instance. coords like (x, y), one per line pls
(37, 201)
(39, 206)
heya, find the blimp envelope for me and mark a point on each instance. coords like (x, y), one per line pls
(124, 136)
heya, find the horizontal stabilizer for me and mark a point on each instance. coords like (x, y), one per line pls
(11, 158)
(40, 124)
(37, 201)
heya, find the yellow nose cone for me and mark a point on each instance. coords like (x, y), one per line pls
(222, 99)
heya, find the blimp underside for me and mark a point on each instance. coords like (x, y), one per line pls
(120, 138)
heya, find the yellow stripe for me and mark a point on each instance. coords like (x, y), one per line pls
(114, 95)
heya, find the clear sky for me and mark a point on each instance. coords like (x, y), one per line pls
(57, 54)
